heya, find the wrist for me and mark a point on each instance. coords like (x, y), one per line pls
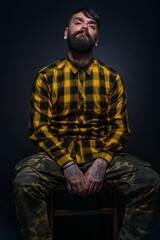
(102, 160)
(68, 164)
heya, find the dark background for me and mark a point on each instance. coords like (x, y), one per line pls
(32, 37)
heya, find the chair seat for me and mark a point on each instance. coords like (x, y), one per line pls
(100, 211)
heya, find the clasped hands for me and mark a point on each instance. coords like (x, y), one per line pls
(87, 183)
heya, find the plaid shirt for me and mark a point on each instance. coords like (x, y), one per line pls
(78, 114)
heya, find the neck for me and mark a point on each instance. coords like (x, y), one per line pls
(80, 59)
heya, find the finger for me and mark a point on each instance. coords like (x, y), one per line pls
(97, 186)
(79, 188)
(91, 187)
(74, 189)
(85, 189)
(100, 186)
(69, 188)
(82, 185)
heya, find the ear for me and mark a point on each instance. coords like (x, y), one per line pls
(66, 33)
(97, 40)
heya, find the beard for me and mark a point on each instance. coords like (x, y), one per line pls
(81, 45)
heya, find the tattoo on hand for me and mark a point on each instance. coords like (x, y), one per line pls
(72, 173)
(98, 171)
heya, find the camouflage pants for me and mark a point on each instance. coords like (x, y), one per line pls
(38, 174)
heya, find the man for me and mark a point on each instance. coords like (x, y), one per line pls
(78, 117)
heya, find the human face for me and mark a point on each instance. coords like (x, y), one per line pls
(82, 33)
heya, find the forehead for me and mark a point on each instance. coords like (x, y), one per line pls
(82, 16)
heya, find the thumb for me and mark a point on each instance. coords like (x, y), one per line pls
(86, 174)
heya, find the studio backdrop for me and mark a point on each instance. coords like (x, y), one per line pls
(32, 37)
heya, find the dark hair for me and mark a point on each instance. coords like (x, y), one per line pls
(88, 12)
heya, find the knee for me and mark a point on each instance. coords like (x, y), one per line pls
(27, 184)
(155, 180)
(151, 179)
(25, 178)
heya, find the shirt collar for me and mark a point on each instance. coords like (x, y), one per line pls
(75, 67)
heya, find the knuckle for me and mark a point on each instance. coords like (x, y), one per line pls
(95, 182)
(98, 181)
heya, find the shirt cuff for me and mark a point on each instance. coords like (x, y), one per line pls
(62, 159)
(106, 155)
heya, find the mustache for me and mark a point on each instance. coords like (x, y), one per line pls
(82, 31)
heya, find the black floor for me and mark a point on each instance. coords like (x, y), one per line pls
(9, 227)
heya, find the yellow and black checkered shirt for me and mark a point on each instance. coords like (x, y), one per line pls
(78, 114)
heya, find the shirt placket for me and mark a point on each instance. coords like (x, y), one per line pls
(80, 116)
(81, 98)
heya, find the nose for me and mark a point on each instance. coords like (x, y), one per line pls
(85, 26)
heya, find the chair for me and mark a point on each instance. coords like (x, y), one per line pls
(114, 211)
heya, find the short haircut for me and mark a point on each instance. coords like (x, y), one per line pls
(88, 12)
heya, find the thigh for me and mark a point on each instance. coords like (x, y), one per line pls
(38, 169)
(130, 174)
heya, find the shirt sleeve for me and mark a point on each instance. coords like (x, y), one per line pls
(40, 131)
(117, 118)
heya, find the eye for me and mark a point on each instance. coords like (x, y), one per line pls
(93, 27)
(76, 23)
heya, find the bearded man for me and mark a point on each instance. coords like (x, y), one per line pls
(78, 118)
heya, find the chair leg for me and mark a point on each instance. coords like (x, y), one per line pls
(101, 216)
(115, 217)
(100, 200)
(51, 214)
